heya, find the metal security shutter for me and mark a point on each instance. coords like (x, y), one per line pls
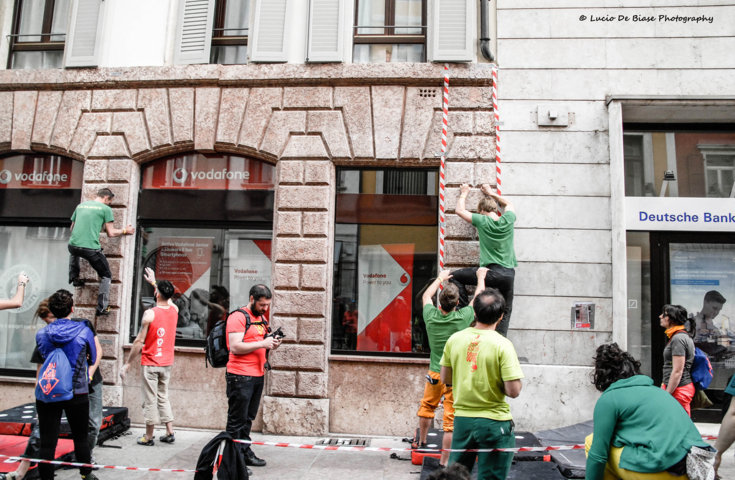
(194, 31)
(453, 30)
(269, 31)
(83, 39)
(326, 24)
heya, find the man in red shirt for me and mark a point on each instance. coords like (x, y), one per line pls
(155, 343)
(247, 342)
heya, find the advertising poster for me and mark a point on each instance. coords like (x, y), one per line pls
(250, 263)
(185, 262)
(385, 275)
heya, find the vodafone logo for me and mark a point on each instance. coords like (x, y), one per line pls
(180, 175)
(5, 176)
(405, 278)
(161, 332)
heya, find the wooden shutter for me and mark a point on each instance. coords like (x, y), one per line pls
(269, 31)
(453, 30)
(84, 33)
(194, 31)
(326, 24)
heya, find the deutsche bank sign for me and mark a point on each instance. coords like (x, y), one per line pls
(680, 214)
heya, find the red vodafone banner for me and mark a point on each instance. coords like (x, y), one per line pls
(208, 172)
(40, 172)
(185, 262)
(385, 276)
(250, 264)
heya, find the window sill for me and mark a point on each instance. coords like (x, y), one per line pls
(7, 379)
(371, 359)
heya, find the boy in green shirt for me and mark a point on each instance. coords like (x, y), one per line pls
(482, 367)
(87, 222)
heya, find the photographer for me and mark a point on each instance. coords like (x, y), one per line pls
(248, 341)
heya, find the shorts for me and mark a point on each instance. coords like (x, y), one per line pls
(432, 395)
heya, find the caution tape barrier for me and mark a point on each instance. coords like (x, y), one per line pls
(97, 466)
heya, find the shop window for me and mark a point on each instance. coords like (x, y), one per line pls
(230, 32)
(388, 31)
(39, 33)
(679, 163)
(38, 194)
(206, 226)
(385, 255)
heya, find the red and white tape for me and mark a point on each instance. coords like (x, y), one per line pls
(442, 177)
(496, 116)
(97, 466)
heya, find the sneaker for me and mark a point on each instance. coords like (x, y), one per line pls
(104, 312)
(252, 460)
(148, 442)
(90, 476)
(167, 438)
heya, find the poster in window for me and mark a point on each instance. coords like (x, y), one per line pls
(250, 264)
(385, 275)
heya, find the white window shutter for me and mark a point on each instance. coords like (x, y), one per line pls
(194, 32)
(269, 31)
(84, 33)
(326, 24)
(453, 29)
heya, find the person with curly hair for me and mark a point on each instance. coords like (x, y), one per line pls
(640, 431)
(678, 356)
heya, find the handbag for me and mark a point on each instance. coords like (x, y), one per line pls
(701, 463)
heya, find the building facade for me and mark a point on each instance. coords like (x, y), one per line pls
(297, 144)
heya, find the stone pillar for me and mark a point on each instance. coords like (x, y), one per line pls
(302, 285)
(122, 177)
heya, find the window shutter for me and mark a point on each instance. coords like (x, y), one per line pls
(453, 32)
(326, 24)
(269, 31)
(194, 31)
(83, 37)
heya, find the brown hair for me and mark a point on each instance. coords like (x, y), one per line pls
(449, 297)
(487, 204)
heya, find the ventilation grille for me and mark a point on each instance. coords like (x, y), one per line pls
(344, 442)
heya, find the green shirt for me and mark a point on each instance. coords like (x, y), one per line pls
(89, 218)
(651, 426)
(440, 327)
(481, 361)
(496, 239)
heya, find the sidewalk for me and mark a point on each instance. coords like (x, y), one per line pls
(284, 463)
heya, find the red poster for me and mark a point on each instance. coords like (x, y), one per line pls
(185, 262)
(385, 276)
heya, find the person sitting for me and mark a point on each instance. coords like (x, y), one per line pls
(640, 431)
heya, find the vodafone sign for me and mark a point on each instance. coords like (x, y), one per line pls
(208, 172)
(39, 172)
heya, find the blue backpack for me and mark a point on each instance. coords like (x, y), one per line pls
(701, 370)
(55, 379)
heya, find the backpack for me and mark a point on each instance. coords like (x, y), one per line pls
(701, 370)
(217, 353)
(55, 379)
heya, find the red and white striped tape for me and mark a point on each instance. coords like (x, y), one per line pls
(442, 177)
(106, 467)
(496, 116)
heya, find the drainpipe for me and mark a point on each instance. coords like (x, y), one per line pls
(485, 30)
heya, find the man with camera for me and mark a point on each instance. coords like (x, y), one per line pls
(248, 340)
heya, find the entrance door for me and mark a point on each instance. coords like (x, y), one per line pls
(697, 271)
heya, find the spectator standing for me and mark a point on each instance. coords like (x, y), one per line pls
(678, 356)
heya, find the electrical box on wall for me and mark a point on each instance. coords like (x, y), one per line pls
(583, 316)
(553, 115)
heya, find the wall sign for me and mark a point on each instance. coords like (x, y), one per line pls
(208, 172)
(680, 214)
(40, 172)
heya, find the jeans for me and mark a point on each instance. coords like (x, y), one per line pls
(95, 414)
(243, 399)
(498, 277)
(49, 424)
(98, 261)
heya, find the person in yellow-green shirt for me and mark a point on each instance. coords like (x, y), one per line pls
(482, 368)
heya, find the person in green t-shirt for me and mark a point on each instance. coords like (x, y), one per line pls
(441, 323)
(495, 220)
(482, 368)
(87, 221)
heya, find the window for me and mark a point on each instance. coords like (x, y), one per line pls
(385, 255)
(39, 33)
(679, 163)
(389, 31)
(206, 226)
(230, 32)
(34, 238)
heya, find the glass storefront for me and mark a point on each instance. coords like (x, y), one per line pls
(206, 226)
(385, 256)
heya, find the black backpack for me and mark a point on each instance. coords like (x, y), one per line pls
(217, 353)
